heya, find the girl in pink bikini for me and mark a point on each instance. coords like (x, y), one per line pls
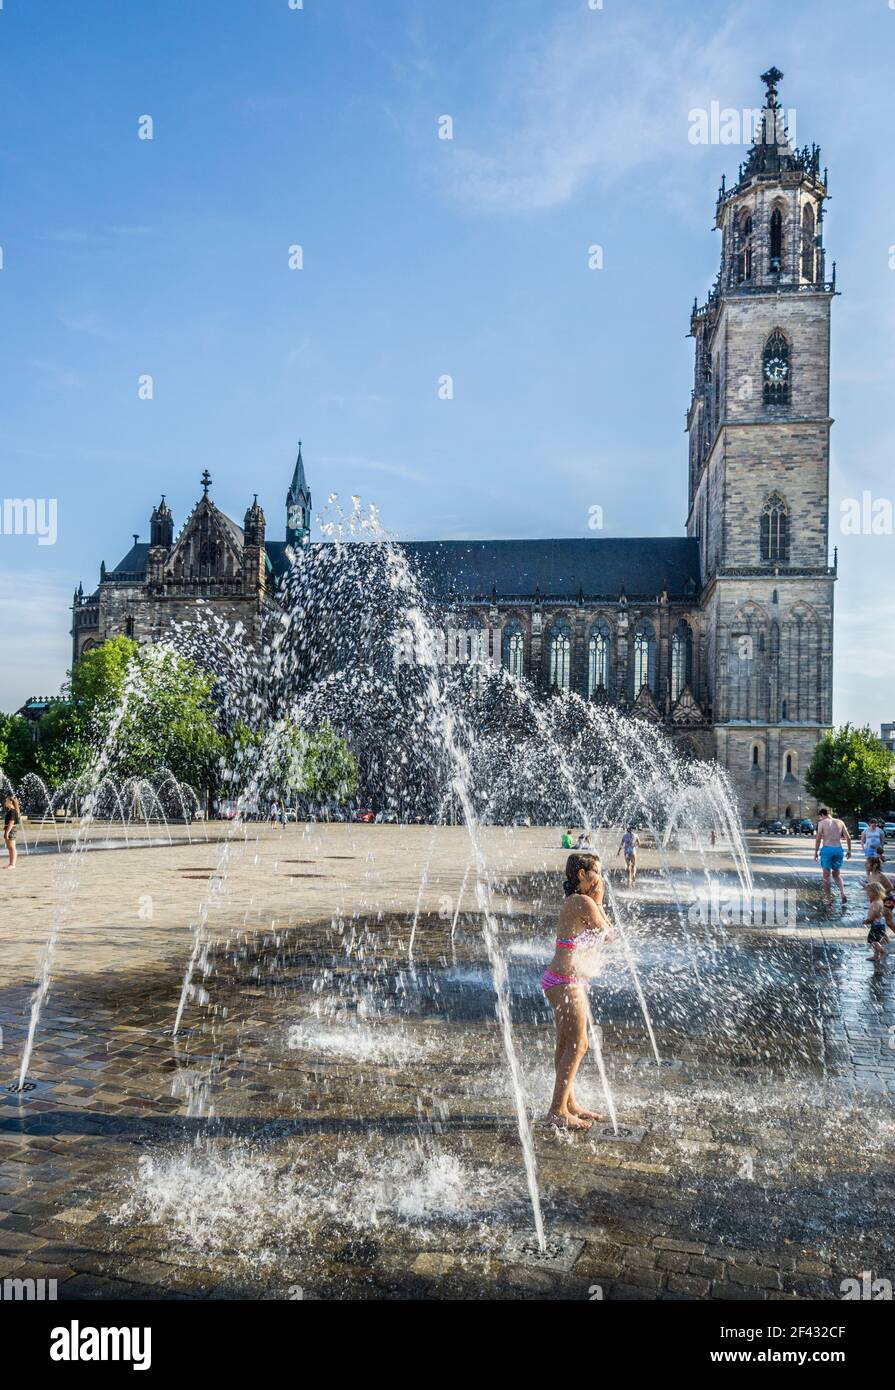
(582, 928)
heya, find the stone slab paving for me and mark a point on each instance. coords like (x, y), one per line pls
(335, 1120)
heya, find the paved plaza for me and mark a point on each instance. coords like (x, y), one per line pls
(334, 1119)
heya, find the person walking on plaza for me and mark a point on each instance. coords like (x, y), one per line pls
(873, 841)
(630, 844)
(12, 819)
(831, 832)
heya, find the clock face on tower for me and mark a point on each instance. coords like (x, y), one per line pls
(294, 518)
(776, 369)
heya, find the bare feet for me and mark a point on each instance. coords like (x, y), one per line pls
(582, 1113)
(568, 1121)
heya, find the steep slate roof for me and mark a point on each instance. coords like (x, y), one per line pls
(134, 561)
(558, 568)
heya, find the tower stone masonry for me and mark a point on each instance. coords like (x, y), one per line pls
(759, 427)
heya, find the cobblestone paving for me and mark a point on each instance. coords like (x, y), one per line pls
(373, 1153)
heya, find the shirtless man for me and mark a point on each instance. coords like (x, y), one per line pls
(828, 847)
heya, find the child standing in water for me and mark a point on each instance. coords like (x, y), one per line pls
(582, 928)
(876, 921)
(875, 875)
(630, 843)
(12, 819)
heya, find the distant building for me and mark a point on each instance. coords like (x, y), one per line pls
(723, 636)
(887, 734)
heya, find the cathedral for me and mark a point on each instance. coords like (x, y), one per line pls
(723, 636)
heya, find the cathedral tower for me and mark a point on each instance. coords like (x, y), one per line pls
(298, 507)
(759, 427)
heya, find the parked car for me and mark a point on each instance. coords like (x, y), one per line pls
(364, 816)
(771, 827)
(889, 829)
(801, 825)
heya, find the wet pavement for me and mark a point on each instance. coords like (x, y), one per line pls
(335, 1119)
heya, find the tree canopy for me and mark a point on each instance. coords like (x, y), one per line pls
(852, 771)
(148, 709)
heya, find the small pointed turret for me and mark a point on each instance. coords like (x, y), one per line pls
(161, 525)
(254, 524)
(298, 506)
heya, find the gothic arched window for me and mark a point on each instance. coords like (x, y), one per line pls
(775, 254)
(808, 269)
(775, 369)
(744, 248)
(775, 531)
(681, 658)
(473, 643)
(644, 657)
(560, 649)
(513, 654)
(598, 658)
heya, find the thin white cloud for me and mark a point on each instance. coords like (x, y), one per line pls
(357, 463)
(590, 101)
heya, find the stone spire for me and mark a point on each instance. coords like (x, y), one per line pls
(298, 506)
(254, 524)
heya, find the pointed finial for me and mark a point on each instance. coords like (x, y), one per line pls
(136, 536)
(770, 79)
(205, 480)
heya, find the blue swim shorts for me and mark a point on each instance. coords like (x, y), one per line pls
(831, 858)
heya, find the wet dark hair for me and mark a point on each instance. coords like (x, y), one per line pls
(824, 811)
(574, 864)
(874, 864)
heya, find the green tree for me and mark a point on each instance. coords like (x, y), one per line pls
(63, 748)
(329, 767)
(290, 761)
(159, 704)
(852, 771)
(18, 749)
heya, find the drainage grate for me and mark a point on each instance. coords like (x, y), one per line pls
(561, 1253)
(627, 1134)
(180, 1033)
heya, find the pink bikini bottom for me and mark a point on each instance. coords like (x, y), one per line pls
(549, 980)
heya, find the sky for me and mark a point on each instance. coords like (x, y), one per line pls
(277, 125)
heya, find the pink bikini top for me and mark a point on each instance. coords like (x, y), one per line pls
(589, 937)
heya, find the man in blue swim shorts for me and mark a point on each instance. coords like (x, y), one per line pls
(828, 843)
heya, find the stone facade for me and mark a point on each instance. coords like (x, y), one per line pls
(723, 637)
(759, 428)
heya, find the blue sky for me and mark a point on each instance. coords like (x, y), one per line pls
(276, 126)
